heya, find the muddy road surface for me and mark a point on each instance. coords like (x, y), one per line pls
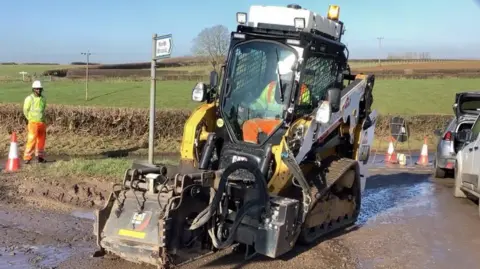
(408, 220)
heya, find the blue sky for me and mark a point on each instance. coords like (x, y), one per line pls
(121, 30)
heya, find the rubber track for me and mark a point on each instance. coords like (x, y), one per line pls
(335, 171)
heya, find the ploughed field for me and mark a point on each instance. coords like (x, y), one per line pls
(197, 68)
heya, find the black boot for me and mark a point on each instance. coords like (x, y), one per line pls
(26, 162)
(41, 160)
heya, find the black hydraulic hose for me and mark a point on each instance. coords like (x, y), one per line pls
(147, 170)
(258, 203)
(240, 215)
(207, 152)
(207, 213)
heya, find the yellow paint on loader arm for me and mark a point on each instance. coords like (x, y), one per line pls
(281, 176)
(206, 113)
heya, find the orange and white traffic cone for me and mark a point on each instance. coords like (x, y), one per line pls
(423, 160)
(391, 156)
(13, 162)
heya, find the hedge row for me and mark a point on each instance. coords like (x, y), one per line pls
(128, 122)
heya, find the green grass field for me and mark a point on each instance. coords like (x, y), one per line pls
(395, 96)
(171, 94)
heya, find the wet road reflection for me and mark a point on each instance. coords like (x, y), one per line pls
(410, 220)
(387, 194)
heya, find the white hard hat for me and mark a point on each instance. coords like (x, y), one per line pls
(285, 66)
(37, 84)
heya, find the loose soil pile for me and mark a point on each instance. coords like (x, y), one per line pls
(71, 191)
(87, 193)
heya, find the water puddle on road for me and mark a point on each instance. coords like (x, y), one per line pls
(35, 256)
(392, 199)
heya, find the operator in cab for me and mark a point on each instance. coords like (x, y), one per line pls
(269, 103)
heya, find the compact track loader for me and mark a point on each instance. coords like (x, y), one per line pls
(274, 156)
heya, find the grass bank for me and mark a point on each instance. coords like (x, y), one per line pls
(116, 132)
(107, 170)
(65, 185)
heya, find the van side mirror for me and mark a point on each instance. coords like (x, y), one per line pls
(334, 98)
(213, 79)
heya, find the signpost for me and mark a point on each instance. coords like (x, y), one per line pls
(23, 73)
(161, 48)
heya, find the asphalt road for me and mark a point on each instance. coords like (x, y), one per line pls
(408, 220)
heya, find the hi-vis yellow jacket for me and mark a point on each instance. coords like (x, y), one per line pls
(34, 108)
(267, 102)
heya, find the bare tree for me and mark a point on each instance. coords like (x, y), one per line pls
(212, 42)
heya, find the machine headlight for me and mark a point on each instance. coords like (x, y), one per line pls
(299, 23)
(198, 93)
(241, 17)
(324, 113)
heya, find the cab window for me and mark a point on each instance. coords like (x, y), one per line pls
(320, 74)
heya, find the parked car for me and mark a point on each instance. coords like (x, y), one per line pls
(466, 111)
(467, 168)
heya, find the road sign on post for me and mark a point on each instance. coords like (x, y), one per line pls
(161, 48)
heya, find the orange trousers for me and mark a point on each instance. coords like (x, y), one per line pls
(37, 133)
(252, 127)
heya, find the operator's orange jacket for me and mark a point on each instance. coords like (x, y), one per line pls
(252, 127)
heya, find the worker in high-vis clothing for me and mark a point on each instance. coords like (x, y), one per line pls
(270, 107)
(34, 110)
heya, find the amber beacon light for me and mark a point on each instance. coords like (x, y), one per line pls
(333, 12)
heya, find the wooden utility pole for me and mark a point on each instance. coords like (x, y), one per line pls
(86, 73)
(379, 49)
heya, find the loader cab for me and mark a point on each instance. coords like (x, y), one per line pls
(273, 79)
(274, 74)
